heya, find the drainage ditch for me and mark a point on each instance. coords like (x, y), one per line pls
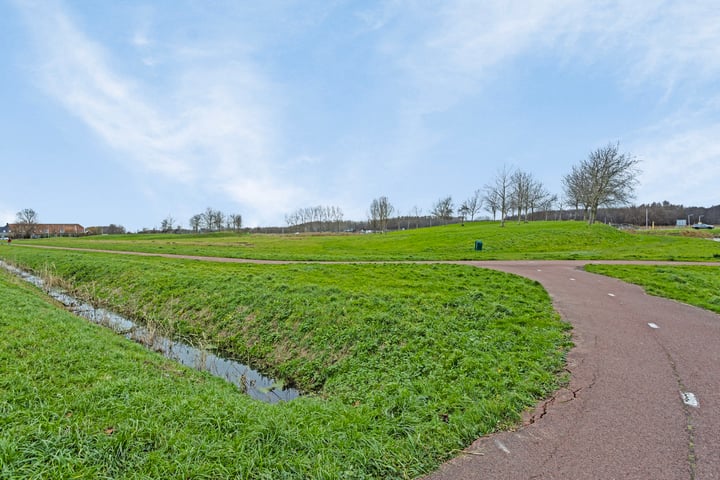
(245, 378)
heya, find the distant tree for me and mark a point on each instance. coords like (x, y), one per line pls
(168, 224)
(546, 204)
(380, 211)
(235, 221)
(335, 215)
(472, 205)
(319, 218)
(498, 194)
(196, 222)
(463, 211)
(212, 220)
(521, 183)
(443, 208)
(219, 220)
(528, 193)
(27, 221)
(606, 178)
(491, 201)
(208, 218)
(113, 229)
(416, 213)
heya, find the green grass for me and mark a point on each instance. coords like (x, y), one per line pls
(535, 240)
(402, 365)
(694, 285)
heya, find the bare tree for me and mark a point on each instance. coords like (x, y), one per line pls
(196, 222)
(319, 218)
(537, 196)
(498, 194)
(472, 205)
(336, 216)
(546, 202)
(27, 221)
(576, 189)
(521, 183)
(416, 213)
(167, 224)
(443, 208)
(491, 201)
(380, 211)
(606, 178)
(235, 221)
(219, 220)
(115, 229)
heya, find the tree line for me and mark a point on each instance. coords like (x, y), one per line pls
(598, 188)
(212, 220)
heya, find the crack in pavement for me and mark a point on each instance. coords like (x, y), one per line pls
(691, 456)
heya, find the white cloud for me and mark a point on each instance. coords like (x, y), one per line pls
(208, 126)
(465, 42)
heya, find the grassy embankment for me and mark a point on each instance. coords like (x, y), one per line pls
(403, 366)
(535, 240)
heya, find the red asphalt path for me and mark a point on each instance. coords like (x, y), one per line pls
(626, 413)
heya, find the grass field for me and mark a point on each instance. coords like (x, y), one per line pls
(535, 240)
(402, 366)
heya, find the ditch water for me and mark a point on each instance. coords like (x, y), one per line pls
(248, 380)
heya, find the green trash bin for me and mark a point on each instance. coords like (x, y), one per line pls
(478, 245)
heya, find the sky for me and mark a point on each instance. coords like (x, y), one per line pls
(135, 111)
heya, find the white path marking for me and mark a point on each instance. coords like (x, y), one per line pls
(611, 294)
(539, 270)
(690, 399)
(653, 325)
(502, 447)
(572, 279)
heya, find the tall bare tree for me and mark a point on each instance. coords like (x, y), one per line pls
(472, 205)
(27, 221)
(443, 208)
(196, 222)
(168, 224)
(380, 211)
(606, 178)
(235, 221)
(521, 183)
(498, 194)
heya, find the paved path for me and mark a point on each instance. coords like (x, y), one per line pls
(643, 400)
(628, 412)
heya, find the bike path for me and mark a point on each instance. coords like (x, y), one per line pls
(643, 399)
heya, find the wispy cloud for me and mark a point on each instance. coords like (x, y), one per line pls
(670, 40)
(207, 127)
(670, 47)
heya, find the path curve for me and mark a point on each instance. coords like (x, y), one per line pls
(643, 400)
(624, 413)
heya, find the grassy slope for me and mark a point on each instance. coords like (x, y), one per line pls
(535, 240)
(390, 351)
(694, 285)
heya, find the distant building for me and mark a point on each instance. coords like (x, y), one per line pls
(50, 229)
(5, 231)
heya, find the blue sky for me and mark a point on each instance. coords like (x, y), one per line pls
(130, 112)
